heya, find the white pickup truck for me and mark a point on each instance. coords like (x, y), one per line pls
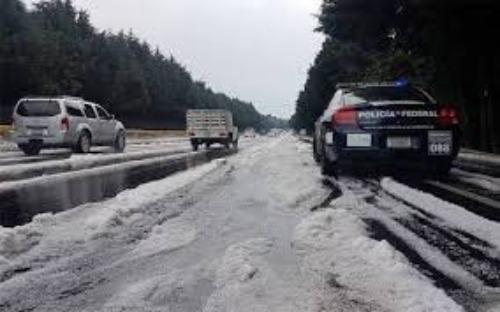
(209, 126)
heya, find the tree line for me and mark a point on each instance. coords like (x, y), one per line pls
(450, 47)
(53, 49)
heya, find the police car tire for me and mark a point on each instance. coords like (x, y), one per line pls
(327, 167)
(315, 153)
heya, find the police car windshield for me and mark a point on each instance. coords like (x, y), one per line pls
(401, 95)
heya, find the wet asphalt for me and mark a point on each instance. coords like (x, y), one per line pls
(18, 205)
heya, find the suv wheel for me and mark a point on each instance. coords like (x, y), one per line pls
(84, 143)
(30, 149)
(120, 142)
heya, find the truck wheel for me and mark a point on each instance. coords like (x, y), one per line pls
(120, 142)
(84, 143)
(207, 145)
(30, 149)
(195, 146)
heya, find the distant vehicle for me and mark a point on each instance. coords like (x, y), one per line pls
(381, 123)
(250, 133)
(210, 126)
(274, 133)
(64, 122)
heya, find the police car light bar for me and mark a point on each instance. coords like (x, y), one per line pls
(352, 85)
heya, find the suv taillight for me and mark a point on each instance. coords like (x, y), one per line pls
(345, 116)
(448, 116)
(65, 124)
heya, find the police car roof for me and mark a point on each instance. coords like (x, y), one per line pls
(354, 85)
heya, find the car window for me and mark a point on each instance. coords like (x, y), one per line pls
(353, 99)
(103, 114)
(39, 108)
(336, 101)
(73, 111)
(89, 111)
(378, 94)
(333, 106)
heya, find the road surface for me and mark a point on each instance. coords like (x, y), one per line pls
(261, 230)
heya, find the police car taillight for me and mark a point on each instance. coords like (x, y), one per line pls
(345, 116)
(448, 116)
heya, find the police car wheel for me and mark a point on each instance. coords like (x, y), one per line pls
(327, 167)
(315, 152)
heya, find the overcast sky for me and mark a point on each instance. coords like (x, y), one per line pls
(256, 50)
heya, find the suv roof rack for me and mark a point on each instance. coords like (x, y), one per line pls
(69, 97)
(352, 85)
(53, 97)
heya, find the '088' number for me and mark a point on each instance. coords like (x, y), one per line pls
(440, 148)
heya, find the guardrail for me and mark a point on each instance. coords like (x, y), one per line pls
(151, 134)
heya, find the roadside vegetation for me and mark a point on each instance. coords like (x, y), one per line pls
(4, 130)
(448, 47)
(53, 49)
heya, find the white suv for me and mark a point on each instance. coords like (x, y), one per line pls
(68, 122)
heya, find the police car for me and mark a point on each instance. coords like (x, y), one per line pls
(373, 124)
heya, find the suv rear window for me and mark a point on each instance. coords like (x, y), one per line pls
(39, 108)
(376, 94)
